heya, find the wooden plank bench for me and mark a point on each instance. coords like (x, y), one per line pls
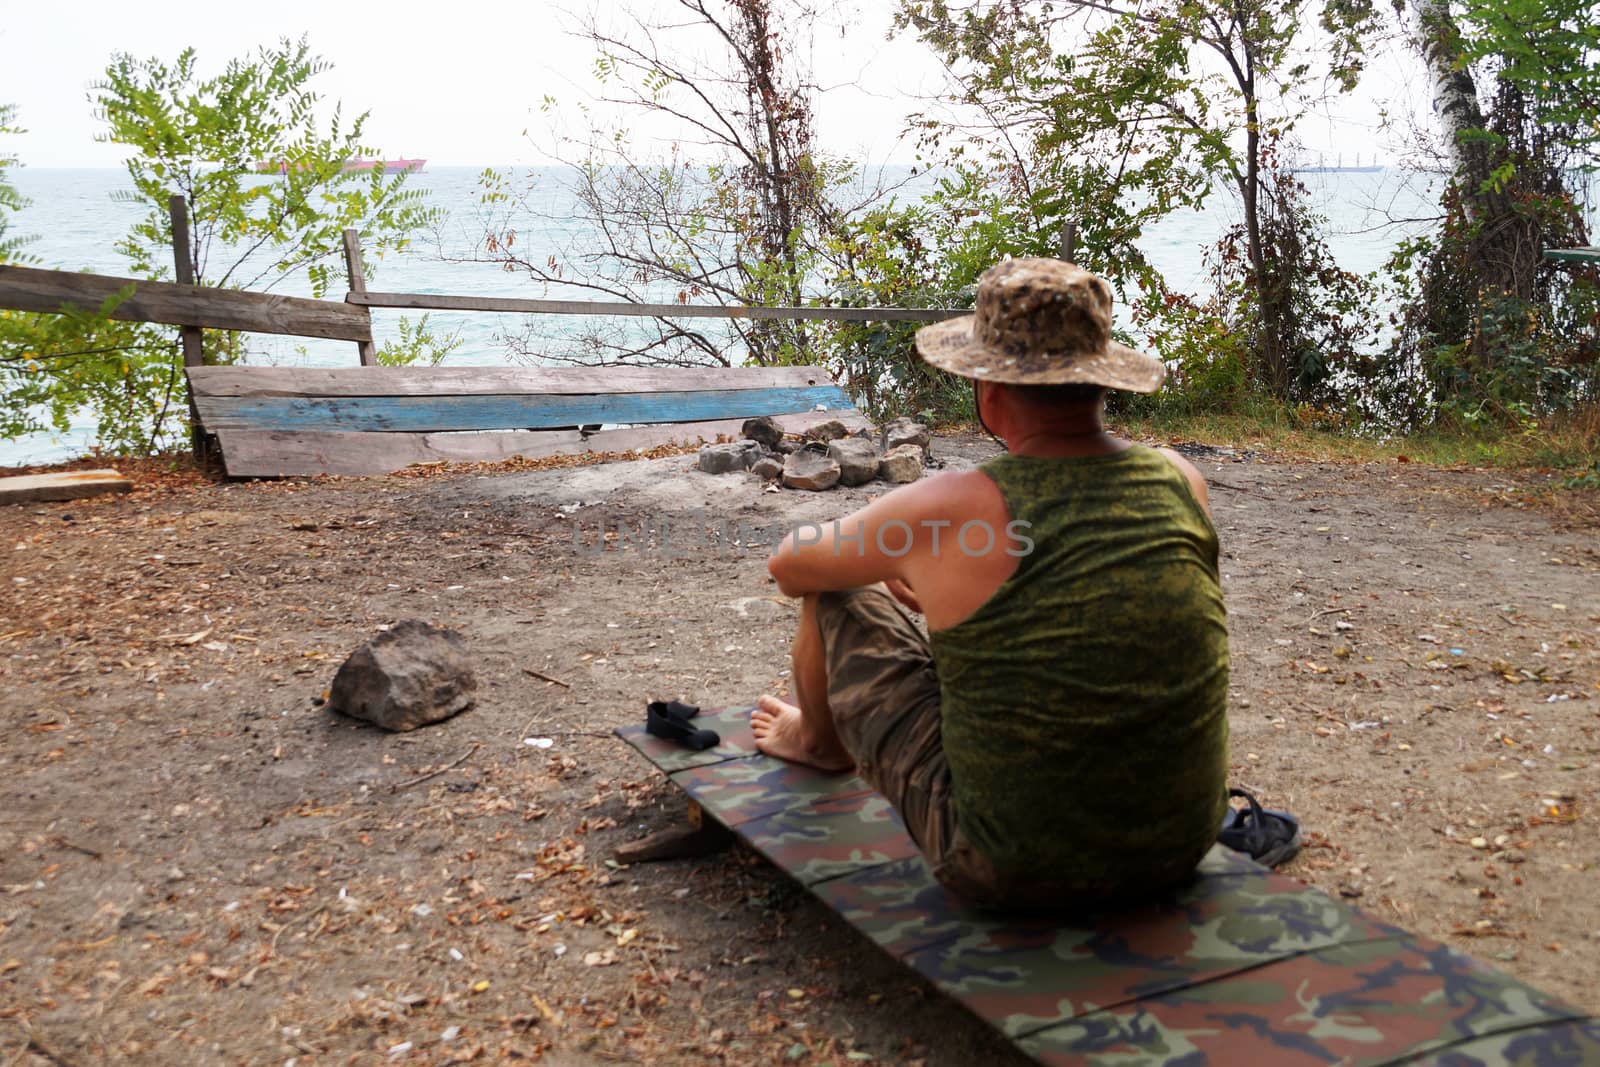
(272, 421)
(1243, 966)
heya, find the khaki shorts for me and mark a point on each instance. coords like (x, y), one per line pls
(884, 694)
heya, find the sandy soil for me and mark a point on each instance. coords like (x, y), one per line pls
(198, 864)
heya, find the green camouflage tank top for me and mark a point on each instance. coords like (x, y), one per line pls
(1085, 703)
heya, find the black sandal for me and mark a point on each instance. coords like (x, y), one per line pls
(1268, 837)
(669, 720)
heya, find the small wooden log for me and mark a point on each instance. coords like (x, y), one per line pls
(701, 836)
(70, 485)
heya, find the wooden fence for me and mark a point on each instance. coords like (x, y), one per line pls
(31, 289)
(367, 419)
(193, 307)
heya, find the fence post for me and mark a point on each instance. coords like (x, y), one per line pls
(193, 354)
(1069, 241)
(358, 284)
(201, 443)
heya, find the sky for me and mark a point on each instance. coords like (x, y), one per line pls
(461, 90)
(453, 90)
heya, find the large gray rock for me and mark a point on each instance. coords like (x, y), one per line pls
(764, 430)
(768, 468)
(729, 457)
(831, 430)
(902, 464)
(810, 468)
(408, 676)
(857, 459)
(907, 432)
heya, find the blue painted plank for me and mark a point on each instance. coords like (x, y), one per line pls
(419, 414)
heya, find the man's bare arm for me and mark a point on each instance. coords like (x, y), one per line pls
(878, 543)
(838, 554)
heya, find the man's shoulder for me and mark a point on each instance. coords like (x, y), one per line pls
(1191, 475)
(951, 497)
(1177, 459)
(945, 491)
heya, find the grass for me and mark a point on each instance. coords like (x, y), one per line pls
(1568, 443)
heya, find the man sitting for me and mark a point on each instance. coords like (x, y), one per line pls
(1059, 738)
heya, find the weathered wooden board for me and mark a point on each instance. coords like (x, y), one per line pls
(286, 453)
(280, 453)
(29, 289)
(70, 485)
(419, 414)
(441, 302)
(490, 381)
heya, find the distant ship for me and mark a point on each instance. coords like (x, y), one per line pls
(390, 166)
(1339, 167)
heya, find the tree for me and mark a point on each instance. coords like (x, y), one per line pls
(10, 199)
(896, 255)
(204, 138)
(53, 365)
(734, 212)
(211, 139)
(1494, 330)
(1118, 113)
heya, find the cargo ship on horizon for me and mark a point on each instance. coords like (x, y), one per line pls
(1338, 166)
(390, 166)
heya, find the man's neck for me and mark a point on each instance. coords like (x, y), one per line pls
(1066, 439)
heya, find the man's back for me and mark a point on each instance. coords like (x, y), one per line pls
(1084, 699)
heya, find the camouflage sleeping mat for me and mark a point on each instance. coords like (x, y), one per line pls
(1245, 966)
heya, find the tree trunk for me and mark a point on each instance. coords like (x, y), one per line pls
(1501, 253)
(779, 138)
(1498, 232)
(1455, 96)
(1273, 338)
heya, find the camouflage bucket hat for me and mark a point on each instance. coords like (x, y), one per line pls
(1040, 322)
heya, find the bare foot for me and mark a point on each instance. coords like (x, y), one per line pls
(781, 731)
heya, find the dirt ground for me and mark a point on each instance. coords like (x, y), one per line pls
(199, 864)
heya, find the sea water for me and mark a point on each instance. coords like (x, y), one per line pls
(79, 216)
